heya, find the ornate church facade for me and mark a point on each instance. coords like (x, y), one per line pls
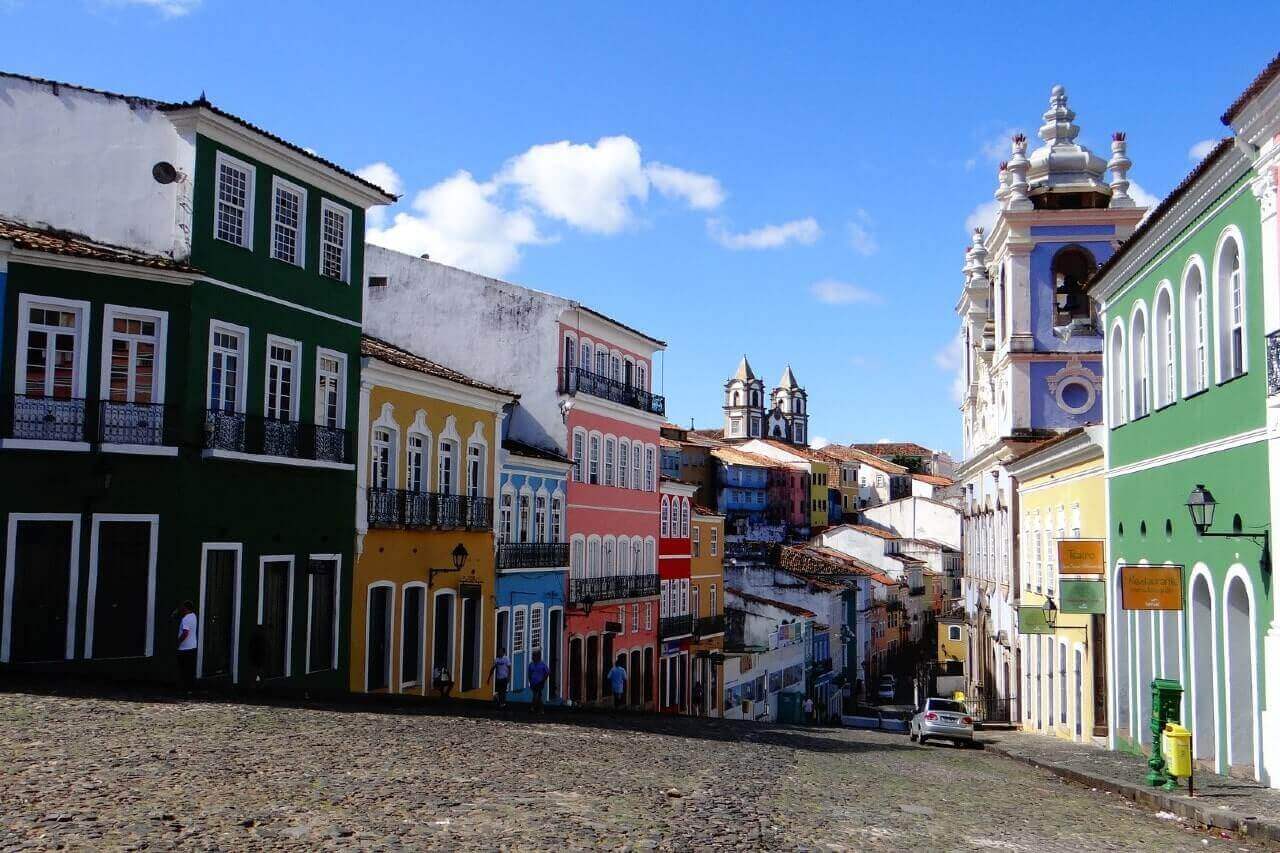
(745, 414)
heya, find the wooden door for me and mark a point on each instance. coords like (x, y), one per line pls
(275, 618)
(122, 590)
(378, 655)
(216, 637)
(41, 590)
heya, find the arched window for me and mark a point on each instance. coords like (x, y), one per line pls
(624, 464)
(684, 518)
(570, 354)
(506, 510)
(666, 517)
(593, 469)
(642, 377)
(1195, 324)
(624, 555)
(1229, 293)
(636, 566)
(593, 557)
(1139, 362)
(585, 351)
(557, 518)
(382, 464)
(1162, 329)
(635, 466)
(610, 557)
(1116, 375)
(1071, 268)
(577, 557)
(610, 457)
(755, 399)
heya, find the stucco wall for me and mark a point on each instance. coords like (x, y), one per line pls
(918, 518)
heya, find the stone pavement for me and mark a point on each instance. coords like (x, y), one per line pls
(147, 772)
(1241, 806)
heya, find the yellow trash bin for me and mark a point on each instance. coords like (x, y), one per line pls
(1177, 750)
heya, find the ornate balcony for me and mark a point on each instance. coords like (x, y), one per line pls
(708, 626)
(241, 433)
(136, 423)
(580, 380)
(676, 626)
(533, 555)
(43, 418)
(427, 510)
(1273, 363)
(612, 588)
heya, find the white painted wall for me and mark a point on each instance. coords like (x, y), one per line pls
(865, 546)
(491, 330)
(81, 161)
(918, 518)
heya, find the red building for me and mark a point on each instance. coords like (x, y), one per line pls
(612, 421)
(675, 632)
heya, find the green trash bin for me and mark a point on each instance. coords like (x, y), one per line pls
(1166, 707)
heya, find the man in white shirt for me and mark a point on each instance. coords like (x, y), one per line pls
(188, 628)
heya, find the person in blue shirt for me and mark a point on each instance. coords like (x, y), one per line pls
(538, 672)
(618, 682)
(500, 674)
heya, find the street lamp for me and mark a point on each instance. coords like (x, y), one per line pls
(1201, 505)
(1050, 612)
(459, 555)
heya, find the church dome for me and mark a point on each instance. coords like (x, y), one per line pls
(1061, 164)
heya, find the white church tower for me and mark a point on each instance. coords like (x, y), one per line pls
(790, 410)
(743, 403)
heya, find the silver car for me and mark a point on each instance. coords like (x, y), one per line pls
(943, 718)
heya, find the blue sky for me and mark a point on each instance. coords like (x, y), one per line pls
(789, 182)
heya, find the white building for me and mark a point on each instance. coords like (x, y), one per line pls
(769, 640)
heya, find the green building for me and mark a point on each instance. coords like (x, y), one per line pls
(1186, 399)
(180, 367)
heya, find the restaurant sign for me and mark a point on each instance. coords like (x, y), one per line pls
(1081, 557)
(1031, 620)
(1084, 597)
(1151, 587)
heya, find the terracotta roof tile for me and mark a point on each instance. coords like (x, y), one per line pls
(853, 454)
(519, 448)
(934, 479)
(781, 605)
(57, 242)
(699, 509)
(733, 456)
(1262, 81)
(392, 354)
(894, 448)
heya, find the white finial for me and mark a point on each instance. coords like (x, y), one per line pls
(1058, 127)
(1002, 191)
(1018, 163)
(1119, 166)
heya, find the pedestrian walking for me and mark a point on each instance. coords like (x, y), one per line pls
(618, 682)
(808, 710)
(538, 673)
(188, 642)
(500, 674)
(697, 698)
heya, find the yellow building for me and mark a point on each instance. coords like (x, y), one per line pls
(1061, 497)
(424, 575)
(953, 639)
(819, 473)
(706, 577)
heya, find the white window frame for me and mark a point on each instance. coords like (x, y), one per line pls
(161, 318)
(579, 455)
(1164, 347)
(1117, 370)
(250, 192)
(610, 461)
(557, 532)
(595, 449)
(262, 576)
(423, 663)
(541, 507)
(295, 364)
(242, 368)
(27, 301)
(453, 649)
(1195, 324)
(73, 571)
(91, 599)
(392, 676)
(506, 514)
(1224, 324)
(327, 206)
(300, 245)
(205, 548)
(341, 358)
(337, 610)
(1139, 362)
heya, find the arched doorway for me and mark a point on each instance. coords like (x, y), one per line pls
(575, 670)
(1237, 618)
(1204, 683)
(1120, 660)
(1143, 650)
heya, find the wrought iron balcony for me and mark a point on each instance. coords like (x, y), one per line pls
(136, 423)
(43, 418)
(243, 433)
(423, 510)
(612, 588)
(582, 380)
(1273, 363)
(676, 626)
(707, 626)
(533, 555)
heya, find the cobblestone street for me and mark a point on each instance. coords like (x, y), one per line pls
(95, 773)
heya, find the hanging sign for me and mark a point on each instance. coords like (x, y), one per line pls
(1151, 587)
(1081, 557)
(1031, 620)
(1083, 597)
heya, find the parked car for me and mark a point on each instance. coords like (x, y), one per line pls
(887, 691)
(943, 718)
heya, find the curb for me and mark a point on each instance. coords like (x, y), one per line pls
(1183, 806)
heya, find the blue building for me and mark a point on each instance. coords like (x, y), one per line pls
(532, 563)
(742, 494)
(826, 696)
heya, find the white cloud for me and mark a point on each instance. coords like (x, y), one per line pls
(819, 441)
(951, 358)
(167, 8)
(834, 292)
(984, 216)
(860, 237)
(999, 146)
(383, 175)
(701, 192)
(460, 222)
(804, 231)
(588, 186)
(1201, 150)
(1141, 197)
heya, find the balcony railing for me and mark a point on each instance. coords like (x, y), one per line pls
(581, 380)
(136, 423)
(241, 433)
(43, 418)
(818, 667)
(532, 555)
(421, 510)
(1273, 363)
(707, 626)
(612, 588)
(676, 626)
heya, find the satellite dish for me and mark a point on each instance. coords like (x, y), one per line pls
(164, 172)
